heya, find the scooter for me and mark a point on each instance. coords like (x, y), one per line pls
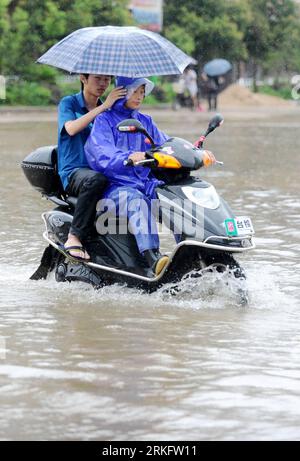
(208, 234)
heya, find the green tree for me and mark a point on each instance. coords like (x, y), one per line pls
(97, 13)
(31, 31)
(209, 27)
(284, 23)
(263, 32)
(268, 35)
(29, 27)
(4, 28)
(33, 26)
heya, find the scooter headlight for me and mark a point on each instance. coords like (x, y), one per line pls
(206, 197)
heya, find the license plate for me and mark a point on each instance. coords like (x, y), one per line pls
(240, 226)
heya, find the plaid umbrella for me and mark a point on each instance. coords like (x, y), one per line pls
(217, 67)
(110, 50)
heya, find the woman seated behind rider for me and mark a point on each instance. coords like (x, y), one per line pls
(106, 150)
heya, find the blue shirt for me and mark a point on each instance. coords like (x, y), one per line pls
(71, 154)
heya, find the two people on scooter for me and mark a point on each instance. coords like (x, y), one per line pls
(106, 150)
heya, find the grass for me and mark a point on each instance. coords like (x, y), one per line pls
(283, 92)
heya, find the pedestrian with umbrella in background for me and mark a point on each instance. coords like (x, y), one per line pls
(213, 76)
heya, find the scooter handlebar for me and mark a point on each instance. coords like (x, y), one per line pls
(129, 162)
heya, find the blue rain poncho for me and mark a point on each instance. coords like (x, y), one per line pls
(107, 148)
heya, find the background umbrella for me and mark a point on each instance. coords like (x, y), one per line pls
(110, 50)
(217, 67)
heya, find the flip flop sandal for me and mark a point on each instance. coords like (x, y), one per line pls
(75, 248)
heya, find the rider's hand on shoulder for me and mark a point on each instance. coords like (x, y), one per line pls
(117, 93)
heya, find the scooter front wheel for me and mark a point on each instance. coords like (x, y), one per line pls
(223, 262)
(226, 262)
(60, 273)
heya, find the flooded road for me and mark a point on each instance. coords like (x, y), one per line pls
(116, 364)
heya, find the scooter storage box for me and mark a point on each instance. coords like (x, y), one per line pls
(40, 169)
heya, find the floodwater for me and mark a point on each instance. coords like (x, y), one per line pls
(117, 364)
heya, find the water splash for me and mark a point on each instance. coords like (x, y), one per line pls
(267, 286)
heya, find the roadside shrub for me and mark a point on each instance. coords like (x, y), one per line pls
(281, 92)
(27, 94)
(43, 93)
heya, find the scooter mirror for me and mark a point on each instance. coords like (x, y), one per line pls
(216, 121)
(132, 125)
